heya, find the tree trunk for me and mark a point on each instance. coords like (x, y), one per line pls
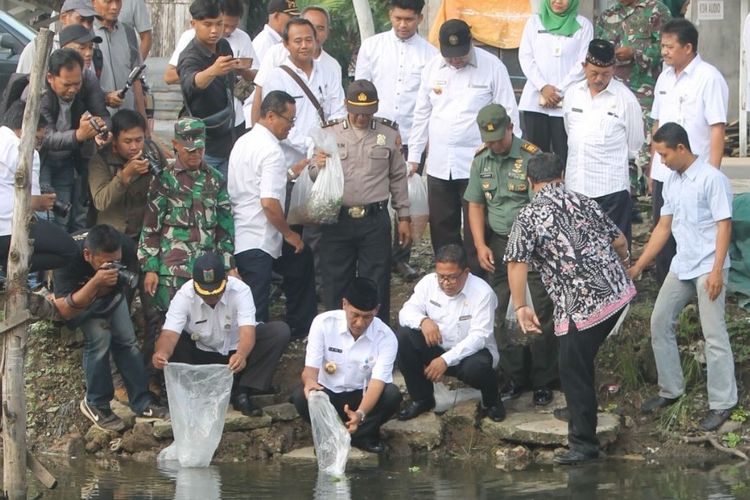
(364, 19)
(14, 341)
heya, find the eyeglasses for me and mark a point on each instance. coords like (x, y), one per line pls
(289, 120)
(449, 278)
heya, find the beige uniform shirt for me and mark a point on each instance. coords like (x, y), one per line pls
(373, 165)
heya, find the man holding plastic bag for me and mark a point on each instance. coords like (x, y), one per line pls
(498, 188)
(211, 320)
(350, 356)
(359, 244)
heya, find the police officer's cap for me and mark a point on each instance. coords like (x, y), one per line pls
(601, 53)
(283, 6)
(455, 38)
(362, 294)
(362, 98)
(209, 277)
(493, 120)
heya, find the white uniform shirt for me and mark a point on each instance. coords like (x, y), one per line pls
(26, 59)
(215, 329)
(448, 102)
(466, 320)
(371, 356)
(241, 45)
(395, 67)
(696, 200)
(256, 170)
(324, 85)
(603, 132)
(549, 59)
(746, 47)
(9, 161)
(697, 99)
(264, 40)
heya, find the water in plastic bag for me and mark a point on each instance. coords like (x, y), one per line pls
(445, 398)
(332, 440)
(198, 401)
(327, 192)
(512, 328)
(419, 208)
(298, 199)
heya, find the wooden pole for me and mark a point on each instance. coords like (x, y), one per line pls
(14, 341)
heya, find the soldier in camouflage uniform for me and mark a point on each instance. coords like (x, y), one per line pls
(634, 27)
(188, 214)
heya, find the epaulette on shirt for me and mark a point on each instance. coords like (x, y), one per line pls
(330, 123)
(529, 147)
(386, 122)
(480, 150)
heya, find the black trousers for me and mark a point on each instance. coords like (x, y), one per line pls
(577, 353)
(356, 247)
(664, 257)
(52, 248)
(384, 409)
(619, 207)
(256, 267)
(414, 355)
(270, 341)
(547, 132)
(447, 206)
(533, 365)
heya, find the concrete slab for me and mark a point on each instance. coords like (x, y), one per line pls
(307, 454)
(423, 432)
(541, 428)
(282, 412)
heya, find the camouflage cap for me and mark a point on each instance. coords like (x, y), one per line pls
(492, 119)
(191, 133)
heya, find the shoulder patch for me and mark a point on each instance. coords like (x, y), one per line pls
(386, 122)
(529, 147)
(481, 150)
(330, 123)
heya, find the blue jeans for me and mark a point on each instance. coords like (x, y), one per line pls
(60, 175)
(115, 334)
(219, 163)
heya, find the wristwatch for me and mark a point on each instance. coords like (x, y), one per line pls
(361, 415)
(291, 174)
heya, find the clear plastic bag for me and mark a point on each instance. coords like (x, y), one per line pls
(513, 330)
(445, 398)
(332, 440)
(419, 208)
(198, 401)
(327, 192)
(298, 199)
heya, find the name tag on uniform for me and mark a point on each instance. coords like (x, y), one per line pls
(663, 92)
(612, 114)
(201, 321)
(485, 175)
(576, 110)
(542, 31)
(335, 349)
(477, 86)
(435, 303)
(464, 318)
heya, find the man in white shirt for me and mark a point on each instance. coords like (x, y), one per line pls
(447, 329)
(694, 94)
(279, 13)
(242, 48)
(697, 211)
(454, 86)
(350, 355)
(211, 320)
(263, 241)
(300, 39)
(393, 61)
(604, 124)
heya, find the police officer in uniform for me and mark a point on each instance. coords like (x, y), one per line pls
(359, 244)
(498, 185)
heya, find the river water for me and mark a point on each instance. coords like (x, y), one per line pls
(390, 480)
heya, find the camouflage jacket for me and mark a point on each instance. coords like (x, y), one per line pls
(637, 26)
(187, 215)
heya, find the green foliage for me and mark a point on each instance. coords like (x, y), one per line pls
(731, 439)
(739, 415)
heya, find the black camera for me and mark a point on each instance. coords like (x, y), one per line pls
(154, 161)
(102, 131)
(59, 208)
(124, 277)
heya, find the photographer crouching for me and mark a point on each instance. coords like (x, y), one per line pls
(90, 293)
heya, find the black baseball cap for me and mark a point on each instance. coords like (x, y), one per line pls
(455, 38)
(209, 276)
(77, 33)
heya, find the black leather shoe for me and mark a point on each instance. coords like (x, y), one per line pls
(495, 413)
(404, 270)
(511, 391)
(655, 403)
(241, 403)
(542, 397)
(715, 418)
(416, 408)
(562, 414)
(370, 445)
(572, 457)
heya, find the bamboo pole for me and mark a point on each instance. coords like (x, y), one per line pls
(14, 341)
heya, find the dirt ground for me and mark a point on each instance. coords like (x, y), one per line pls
(626, 377)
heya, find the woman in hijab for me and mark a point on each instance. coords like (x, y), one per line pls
(553, 48)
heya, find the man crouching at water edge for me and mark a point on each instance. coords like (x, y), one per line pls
(211, 319)
(580, 254)
(350, 356)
